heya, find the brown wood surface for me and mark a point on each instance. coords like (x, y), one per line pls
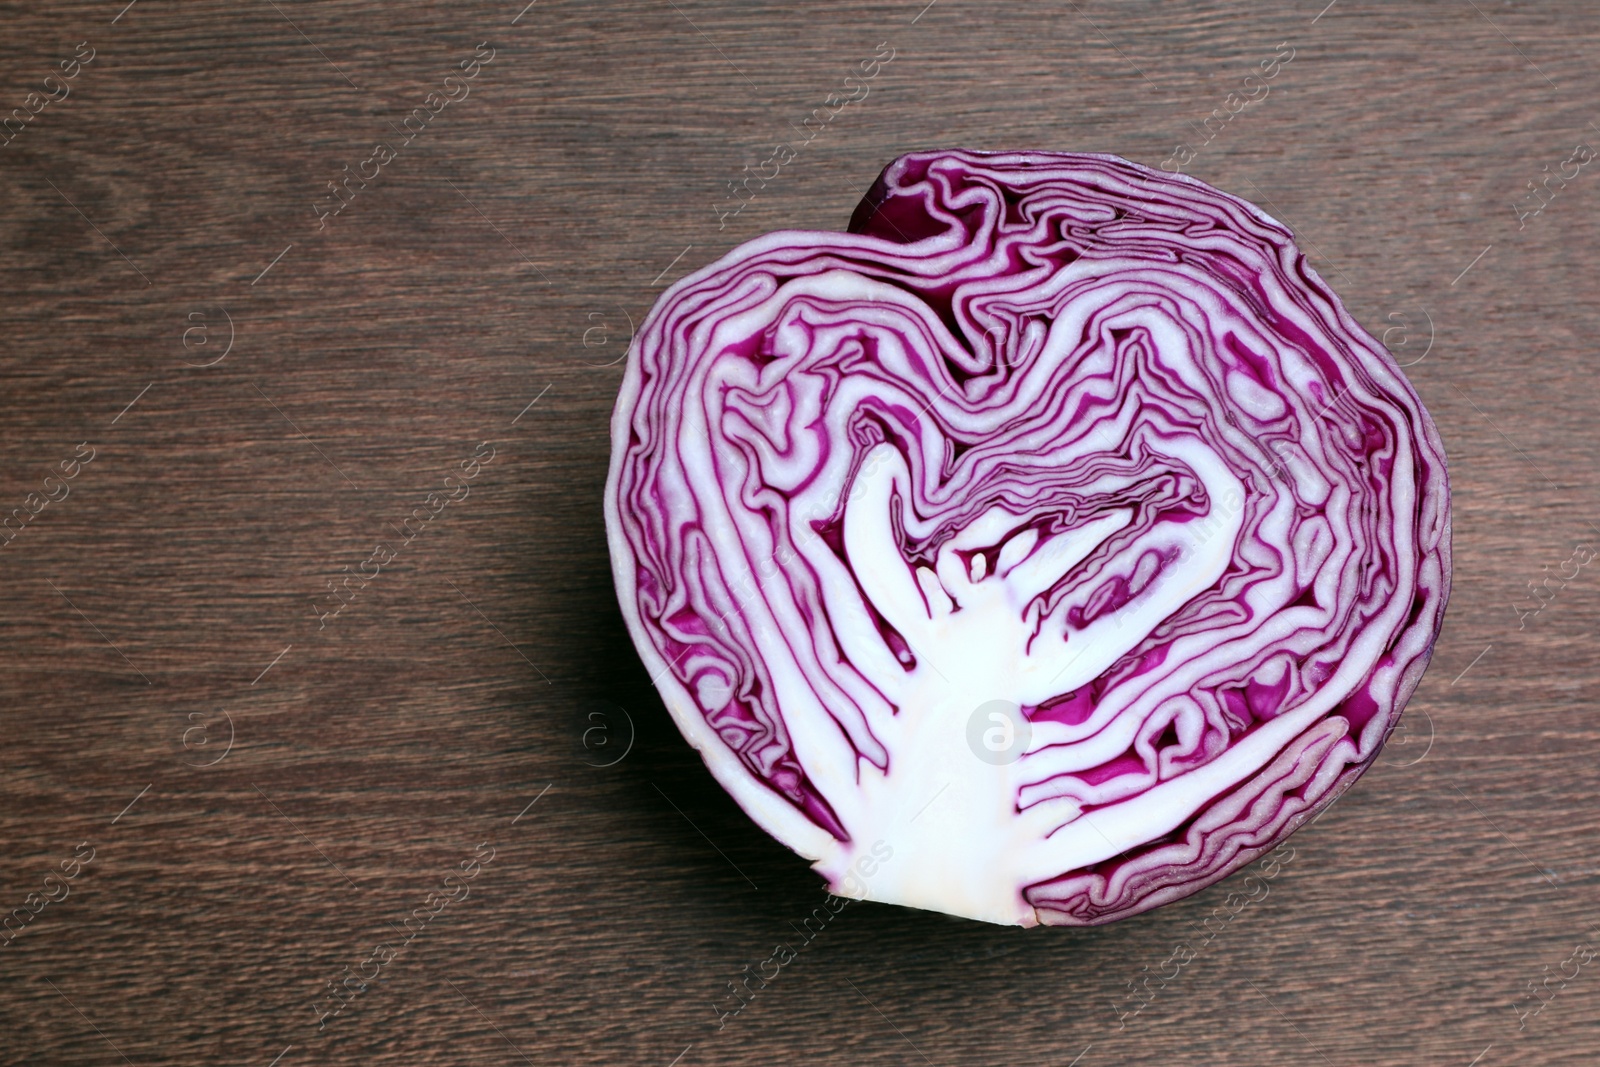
(269, 794)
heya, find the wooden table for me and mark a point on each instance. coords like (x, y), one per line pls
(252, 792)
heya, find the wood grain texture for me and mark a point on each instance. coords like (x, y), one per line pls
(171, 602)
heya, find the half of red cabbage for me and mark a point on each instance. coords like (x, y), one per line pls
(1041, 550)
